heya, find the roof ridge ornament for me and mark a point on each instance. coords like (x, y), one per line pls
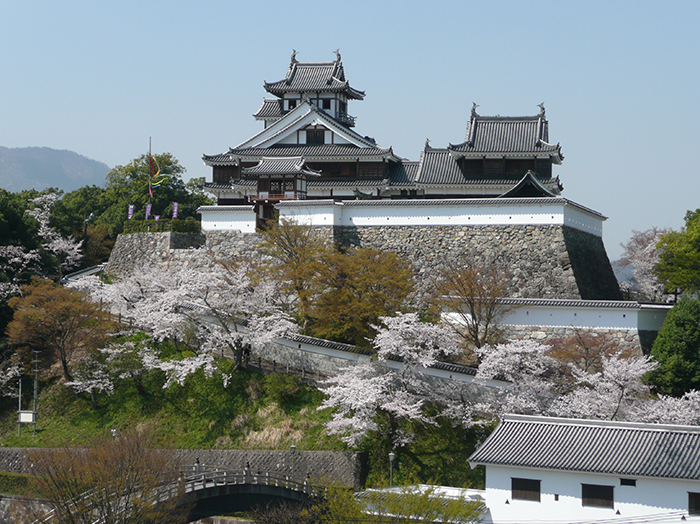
(427, 144)
(337, 54)
(541, 113)
(294, 56)
(474, 106)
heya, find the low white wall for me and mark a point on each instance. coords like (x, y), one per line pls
(650, 497)
(228, 218)
(460, 212)
(593, 314)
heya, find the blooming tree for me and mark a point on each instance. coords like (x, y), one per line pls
(16, 263)
(91, 376)
(67, 250)
(642, 255)
(219, 311)
(534, 376)
(401, 391)
(615, 393)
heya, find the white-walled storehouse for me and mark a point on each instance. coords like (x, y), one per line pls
(541, 469)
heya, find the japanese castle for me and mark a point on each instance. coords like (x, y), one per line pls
(308, 149)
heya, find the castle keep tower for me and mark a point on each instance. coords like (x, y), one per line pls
(494, 194)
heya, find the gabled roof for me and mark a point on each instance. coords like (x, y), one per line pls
(280, 166)
(529, 186)
(593, 446)
(306, 77)
(509, 136)
(306, 113)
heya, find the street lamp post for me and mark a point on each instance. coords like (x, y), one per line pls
(392, 456)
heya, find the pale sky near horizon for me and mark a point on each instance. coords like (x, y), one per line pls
(619, 80)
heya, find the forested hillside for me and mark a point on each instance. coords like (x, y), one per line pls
(39, 168)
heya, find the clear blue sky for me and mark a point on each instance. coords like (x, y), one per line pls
(619, 81)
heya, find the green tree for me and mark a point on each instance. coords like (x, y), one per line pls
(296, 253)
(129, 185)
(677, 350)
(679, 261)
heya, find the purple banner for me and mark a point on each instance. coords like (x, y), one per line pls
(131, 211)
(174, 210)
(156, 217)
(148, 211)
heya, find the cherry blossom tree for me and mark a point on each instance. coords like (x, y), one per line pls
(361, 392)
(91, 376)
(670, 410)
(67, 250)
(642, 255)
(215, 312)
(17, 263)
(534, 376)
(539, 385)
(615, 393)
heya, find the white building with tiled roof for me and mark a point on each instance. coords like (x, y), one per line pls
(547, 470)
(309, 118)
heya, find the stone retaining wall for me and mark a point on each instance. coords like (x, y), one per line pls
(617, 339)
(546, 261)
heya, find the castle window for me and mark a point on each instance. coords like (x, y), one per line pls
(315, 136)
(597, 496)
(525, 489)
(291, 104)
(693, 503)
(326, 103)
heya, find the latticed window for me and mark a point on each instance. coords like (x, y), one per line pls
(315, 136)
(597, 496)
(525, 489)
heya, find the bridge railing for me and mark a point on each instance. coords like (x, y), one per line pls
(203, 477)
(209, 476)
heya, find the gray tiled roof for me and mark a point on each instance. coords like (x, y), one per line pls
(593, 446)
(309, 152)
(561, 302)
(314, 77)
(338, 182)
(515, 135)
(270, 108)
(437, 166)
(280, 166)
(403, 173)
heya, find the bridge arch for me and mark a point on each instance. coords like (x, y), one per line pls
(216, 491)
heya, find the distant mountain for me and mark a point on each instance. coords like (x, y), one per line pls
(41, 167)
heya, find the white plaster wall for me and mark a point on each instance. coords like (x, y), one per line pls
(579, 219)
(321, 213)
(228, 218)
(649, 497)
(566, 316)
(418, 213)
